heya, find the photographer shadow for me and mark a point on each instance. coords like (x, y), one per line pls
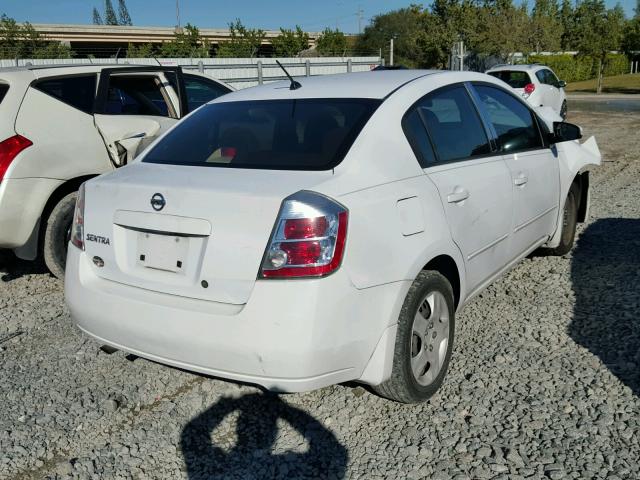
(605, 272)
(251, 455)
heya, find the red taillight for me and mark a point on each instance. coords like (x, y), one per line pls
(296, 228)
(309, 238)
(302, 253)
(9, 149)
(77, 226)
(529, 88)
(228, 151)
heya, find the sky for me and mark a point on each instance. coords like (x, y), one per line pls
(311, 15)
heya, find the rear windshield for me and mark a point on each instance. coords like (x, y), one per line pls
(307, 134)
(515, 79)
(3, 91)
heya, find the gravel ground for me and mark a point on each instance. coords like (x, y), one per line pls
(544, 381)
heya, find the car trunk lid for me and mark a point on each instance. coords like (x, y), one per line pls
(189, 231)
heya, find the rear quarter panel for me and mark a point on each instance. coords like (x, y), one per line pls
(66, 143)
(379, 248)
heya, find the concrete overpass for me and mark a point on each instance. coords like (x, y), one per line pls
(105, 40)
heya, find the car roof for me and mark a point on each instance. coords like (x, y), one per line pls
(53, 70)
(41, 71)
(371, 85)
(517, 68)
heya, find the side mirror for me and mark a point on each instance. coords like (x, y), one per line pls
(565, 132)
(562, 84)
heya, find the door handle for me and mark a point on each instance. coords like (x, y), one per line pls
(458, 195)
(520, 180)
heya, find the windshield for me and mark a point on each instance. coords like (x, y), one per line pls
(515, 79)
(3, 91)
(307, 134)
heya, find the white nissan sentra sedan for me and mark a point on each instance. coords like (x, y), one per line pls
(300, 237)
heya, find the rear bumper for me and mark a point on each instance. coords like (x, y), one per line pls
(291, 335)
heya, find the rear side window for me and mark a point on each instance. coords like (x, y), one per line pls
(136, 96)
(199, 90)
(454, 125)
(3, 91)
(515, 79)
(550, 78)
(415, 131)
(307, 134)
(514, 123)
(77, 91)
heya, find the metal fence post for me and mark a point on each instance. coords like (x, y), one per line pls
(349, 66)
(200, 66)
(307, 68)
(259, 65)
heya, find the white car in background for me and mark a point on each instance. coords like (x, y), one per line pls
(61, 125)
(305, 235)
(536, 83)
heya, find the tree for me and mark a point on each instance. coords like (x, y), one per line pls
(141, 50)
(290, 43)
(404, 26)
(452, 21)
(97, 19)
(23, 41)
(567, 24)
(123, 14)
(109, 14)
(546, 27)
(332, 42)
(243, 42)
(598, 32)
(503, 29)
(631, 37)
(187, 43)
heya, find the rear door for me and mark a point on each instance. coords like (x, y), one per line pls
(550, 94)
(134, 106)
(533, 166)
(555, 93)
(472, 179)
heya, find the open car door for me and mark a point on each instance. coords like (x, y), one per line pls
(134, 105)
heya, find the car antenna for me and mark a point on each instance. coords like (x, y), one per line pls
(294, 85)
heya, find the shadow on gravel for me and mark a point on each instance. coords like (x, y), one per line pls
(250, 456)
(605, 272)
(11, 267)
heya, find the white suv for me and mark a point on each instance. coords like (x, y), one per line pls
(301, 236)
(60, 126)
(536, 83)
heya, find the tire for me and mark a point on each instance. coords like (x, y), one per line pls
(56, 235)
(431, 295)
(569, 222)
(563, 110)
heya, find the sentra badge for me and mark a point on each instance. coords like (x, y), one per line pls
(98, 239)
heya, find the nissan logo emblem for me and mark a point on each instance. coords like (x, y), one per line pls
(158, 202)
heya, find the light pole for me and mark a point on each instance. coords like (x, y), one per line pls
(391, 51)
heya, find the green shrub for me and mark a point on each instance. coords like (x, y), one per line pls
(576, 68)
